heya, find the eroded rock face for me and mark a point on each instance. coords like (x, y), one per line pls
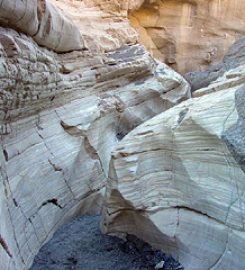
(178, 180)
(234, 58)
(42, 21)
(72, 87)
(189, 35)
(61, 114)
(103, 25)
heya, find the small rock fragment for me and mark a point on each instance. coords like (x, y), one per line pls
(159, 265)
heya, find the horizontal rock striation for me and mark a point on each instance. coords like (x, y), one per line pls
(178, 180)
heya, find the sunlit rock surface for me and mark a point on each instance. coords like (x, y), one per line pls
(61, 114)
(189, 35)
(74, 82)
(178, 180)
(106, 21)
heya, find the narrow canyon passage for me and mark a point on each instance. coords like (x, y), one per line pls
(95, 118)
(80, 245)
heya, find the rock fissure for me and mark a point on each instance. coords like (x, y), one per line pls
(5, 246)
(53, 201)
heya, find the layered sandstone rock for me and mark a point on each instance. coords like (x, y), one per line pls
(72, 87)
(61, 114)
(189, 35)
(178, 180)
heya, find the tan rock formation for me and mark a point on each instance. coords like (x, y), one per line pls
(189, 35)
(61, 114)
(178, 180)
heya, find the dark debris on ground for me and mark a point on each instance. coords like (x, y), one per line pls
(80, 245)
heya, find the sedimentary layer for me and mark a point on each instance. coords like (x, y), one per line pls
(177, 180)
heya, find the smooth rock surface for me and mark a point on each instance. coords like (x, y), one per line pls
(177, 181)
(189, 35)
(107, 22)
(42, 21)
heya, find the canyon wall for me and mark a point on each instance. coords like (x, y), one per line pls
(64, 106)
(74, 82)
(189, 35)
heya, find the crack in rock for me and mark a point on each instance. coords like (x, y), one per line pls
(53, 201)
(5, 246)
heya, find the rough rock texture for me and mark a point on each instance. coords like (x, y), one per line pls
(234, 58)
(189, 35)
(178, 180)
(61, 114)
(81, 245)
(230, 79)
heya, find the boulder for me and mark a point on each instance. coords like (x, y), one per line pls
(177, 181)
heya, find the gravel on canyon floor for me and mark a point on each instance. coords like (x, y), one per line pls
(80, 245)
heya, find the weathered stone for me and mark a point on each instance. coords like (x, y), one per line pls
(107, 22)
(235, 135)
(234, 58)
(40, 20)
(60, 116)
(188, 35)
(177, 181)
(73, 86)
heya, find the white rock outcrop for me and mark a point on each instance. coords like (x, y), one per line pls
(42, 21)
(177, 181)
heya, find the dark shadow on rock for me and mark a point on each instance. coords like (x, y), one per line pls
(234, 58)
(234, 137)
